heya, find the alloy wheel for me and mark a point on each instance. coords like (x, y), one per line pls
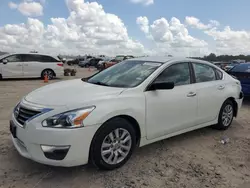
(227, 115)
(49, 73)
(116, 146)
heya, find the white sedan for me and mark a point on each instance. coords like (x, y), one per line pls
(102, 119)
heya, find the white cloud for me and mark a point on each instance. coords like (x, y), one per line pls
(144, 2)
(226, 41)
(171, 37)
(229, 41)
(143, 23)
(13, 5)
(28, 8)
(88, 29)
(196, 23)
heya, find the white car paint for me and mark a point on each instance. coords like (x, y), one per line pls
(28, 69)
(160, 114)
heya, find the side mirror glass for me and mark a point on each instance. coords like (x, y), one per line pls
(5, 61)
(161, 86)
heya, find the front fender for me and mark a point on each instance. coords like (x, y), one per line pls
(129, 106)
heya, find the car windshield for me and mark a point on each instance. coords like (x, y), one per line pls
(119, 58)
(125, 74)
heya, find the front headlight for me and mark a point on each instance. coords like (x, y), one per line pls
(70, 119)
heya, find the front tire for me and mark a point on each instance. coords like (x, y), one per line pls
(114, 144)
(226, 116)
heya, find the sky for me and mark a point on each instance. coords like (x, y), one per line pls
(134, 27)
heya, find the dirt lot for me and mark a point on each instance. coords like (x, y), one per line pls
(192, 160)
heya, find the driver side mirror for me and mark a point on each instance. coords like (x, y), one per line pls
(161, 86)
(5, 61)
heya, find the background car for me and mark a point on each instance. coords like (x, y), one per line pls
(105, 64)
(30, 65)
(242, 73)
(92, 62)
(114, 61)
(76, 61)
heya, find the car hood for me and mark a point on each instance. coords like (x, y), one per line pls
(70, 93)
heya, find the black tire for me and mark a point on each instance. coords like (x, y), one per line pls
(221, 124)
(102, 134)
(49, 72)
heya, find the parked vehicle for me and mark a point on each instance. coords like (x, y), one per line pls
(106, 64)
(231, 65)
(90, 62)
(133, 103)
(242, 73)
(30, 65)
(79, 60)
(112, 62)
(73, 62)
(120, 58)
(220, 64)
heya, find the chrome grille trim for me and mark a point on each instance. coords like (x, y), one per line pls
(25, 114)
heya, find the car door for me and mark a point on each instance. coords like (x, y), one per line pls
(210, 90)
(12, 66)
(32, 65)
(168, 111)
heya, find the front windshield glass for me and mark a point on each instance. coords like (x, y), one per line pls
(119, 58)
(125, 74)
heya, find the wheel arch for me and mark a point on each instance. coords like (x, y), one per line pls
(235, 105)
(130, 119)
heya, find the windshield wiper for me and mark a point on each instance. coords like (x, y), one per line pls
(99, 83)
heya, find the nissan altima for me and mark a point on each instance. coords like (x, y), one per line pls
(103, 118)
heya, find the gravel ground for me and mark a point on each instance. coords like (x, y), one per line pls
(193, 160)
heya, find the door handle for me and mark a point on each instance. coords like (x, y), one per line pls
(191, 94)
(19, 65)
(221, 87)
(25, 64)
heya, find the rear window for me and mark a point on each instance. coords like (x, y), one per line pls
(241, 68)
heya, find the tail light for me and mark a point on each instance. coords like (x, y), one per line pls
(60, 64)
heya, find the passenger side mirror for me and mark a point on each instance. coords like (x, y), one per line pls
(5, 61)
(161, 86)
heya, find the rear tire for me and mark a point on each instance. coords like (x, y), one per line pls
(226, 116)
(49, 72)
(113, 144)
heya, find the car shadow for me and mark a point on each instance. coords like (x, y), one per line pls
(25, 79)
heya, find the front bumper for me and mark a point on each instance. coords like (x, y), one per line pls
(28, 143)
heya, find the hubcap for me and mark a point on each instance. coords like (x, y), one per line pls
(227, 115)
(116, 146)
(49, 74)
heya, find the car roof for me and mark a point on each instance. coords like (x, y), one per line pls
(162, 59)
(25, 53)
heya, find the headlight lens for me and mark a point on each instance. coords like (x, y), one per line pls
(71, 119)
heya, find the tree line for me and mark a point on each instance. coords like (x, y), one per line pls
(224, 58)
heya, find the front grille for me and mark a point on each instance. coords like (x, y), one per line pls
(25, 114)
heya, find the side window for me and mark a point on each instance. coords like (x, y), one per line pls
(29, 58)
(177, 73)
(203, 73)
(219, 74)
(14, 58)
(48, 59)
